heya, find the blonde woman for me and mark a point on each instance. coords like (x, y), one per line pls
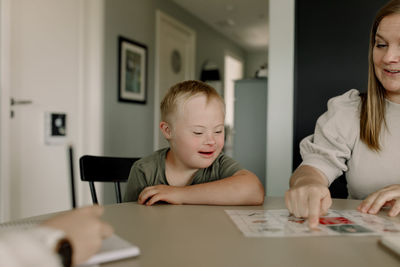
(358, 135)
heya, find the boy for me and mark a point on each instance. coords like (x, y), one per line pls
(192, 170)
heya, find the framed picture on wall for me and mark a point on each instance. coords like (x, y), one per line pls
(132, 71)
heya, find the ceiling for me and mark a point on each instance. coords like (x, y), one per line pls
(245, 22)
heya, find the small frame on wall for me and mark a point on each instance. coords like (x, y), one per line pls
(132, 71)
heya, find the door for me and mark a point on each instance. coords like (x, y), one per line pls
(175, 59)
(40, 61)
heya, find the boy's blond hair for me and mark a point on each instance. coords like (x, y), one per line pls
(181, 92)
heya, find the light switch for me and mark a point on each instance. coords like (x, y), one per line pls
(55, 128)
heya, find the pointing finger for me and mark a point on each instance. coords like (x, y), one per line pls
(314, 205)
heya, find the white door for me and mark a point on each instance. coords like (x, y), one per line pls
(175, 62)
(41, 45)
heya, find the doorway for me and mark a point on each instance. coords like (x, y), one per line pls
(44, 58)
(233, 68)
(175, 61)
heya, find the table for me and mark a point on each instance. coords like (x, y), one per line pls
(196, 235)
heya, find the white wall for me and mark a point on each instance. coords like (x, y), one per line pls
(280, 96)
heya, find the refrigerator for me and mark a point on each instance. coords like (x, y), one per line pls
(250, 125)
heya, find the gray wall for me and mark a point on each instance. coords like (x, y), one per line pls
(128, 127)
(254, 60)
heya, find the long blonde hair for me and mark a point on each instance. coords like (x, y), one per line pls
(372, 114)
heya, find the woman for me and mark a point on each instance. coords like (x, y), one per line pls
(359, 135)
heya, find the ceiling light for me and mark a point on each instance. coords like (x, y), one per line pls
(230, 22)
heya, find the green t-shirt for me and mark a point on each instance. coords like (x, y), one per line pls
(150, 171)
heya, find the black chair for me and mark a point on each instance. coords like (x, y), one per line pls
(105, 169)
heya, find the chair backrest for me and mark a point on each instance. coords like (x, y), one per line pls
(105, 169)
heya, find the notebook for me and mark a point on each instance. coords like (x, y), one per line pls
(392, 242)
(113, 248)
(19, 225)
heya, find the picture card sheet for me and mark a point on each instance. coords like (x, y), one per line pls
(279, 223)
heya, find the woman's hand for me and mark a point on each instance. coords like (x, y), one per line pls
(387, 196)
(85, 230)
(308, 201)
(308, 196)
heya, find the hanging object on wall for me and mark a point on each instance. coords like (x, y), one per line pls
(132, 71)
(176, 61)
(55, 128)
(210, 74)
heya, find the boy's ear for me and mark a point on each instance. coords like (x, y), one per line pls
(166, 130)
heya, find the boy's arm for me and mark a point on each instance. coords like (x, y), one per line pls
(242, 188)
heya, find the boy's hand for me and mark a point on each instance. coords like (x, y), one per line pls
(167, 193)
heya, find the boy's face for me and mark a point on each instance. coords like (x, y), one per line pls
(197, 134)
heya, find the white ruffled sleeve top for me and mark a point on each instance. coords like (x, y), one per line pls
(33, 247)
(335, 147)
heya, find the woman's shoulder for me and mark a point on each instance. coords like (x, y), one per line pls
(349, 100)
(342, 117)
(346, 106)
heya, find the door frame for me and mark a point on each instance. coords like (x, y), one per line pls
(90, 95)
(162, 18)
(5, 62)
